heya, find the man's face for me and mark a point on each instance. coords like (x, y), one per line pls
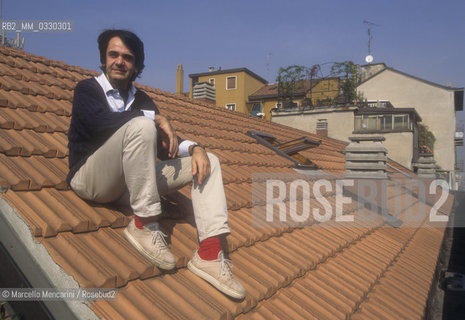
(120, 64)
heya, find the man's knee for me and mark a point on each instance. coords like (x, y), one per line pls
(143, 128)
(214, 161)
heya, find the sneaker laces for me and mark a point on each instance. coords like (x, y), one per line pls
(157, 234)
(226, 267)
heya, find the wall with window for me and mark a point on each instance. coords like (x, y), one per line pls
(233, 89)
(434, 104)
(397, 128)
(257, 110)
(340, 121)
(268, 105)
(382, 122)
(231, 106)
(341, 124)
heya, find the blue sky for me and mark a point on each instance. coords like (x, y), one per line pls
(424, 38)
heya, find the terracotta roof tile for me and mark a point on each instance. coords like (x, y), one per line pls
(33, 173)
(18, 100)
(28, 142)
(75, 212)
(25, 119)
(112, 258)
(321, 270)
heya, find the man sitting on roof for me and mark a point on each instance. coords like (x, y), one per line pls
(115, 136)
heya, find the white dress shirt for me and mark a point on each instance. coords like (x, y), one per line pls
(117, 104)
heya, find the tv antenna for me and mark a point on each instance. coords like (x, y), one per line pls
(268, 56)
(369, 57)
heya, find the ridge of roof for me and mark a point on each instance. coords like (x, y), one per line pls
(226, 71)
(410, 76)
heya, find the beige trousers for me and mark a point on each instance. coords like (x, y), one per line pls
(126, 163)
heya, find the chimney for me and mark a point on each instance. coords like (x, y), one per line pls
(369, 70)
(179, 80)
(426, 166)
(366, 158)
(322, 128)
(211, 69)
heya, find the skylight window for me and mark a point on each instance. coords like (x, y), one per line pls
(288, 149)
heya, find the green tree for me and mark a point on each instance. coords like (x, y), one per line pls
(426, 139)
(349, 72)
(290, 80)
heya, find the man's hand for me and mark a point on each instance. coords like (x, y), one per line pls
(169, 140)
(200, 164)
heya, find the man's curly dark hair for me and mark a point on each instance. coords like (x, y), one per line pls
(130, 40)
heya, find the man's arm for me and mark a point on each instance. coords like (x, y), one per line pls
(200, 163)
(169, 140)
(144, 103)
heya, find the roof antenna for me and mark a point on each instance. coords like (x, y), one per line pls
(369, 57)
(18, 43)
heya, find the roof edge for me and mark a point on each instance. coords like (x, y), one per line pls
(411, 76)
(253, 74)
(273, 95)
(37, 264)
(32, 57)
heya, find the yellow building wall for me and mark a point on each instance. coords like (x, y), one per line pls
(245, 86)
(268, 105)
(325, 89)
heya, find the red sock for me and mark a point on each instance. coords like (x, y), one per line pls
(138, 223)
(209, 248)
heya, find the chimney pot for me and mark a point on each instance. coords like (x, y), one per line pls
(322, 128)
(204, 91)
(366, 158)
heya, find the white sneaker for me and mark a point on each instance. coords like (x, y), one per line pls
(217, 273)
(150, 242)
